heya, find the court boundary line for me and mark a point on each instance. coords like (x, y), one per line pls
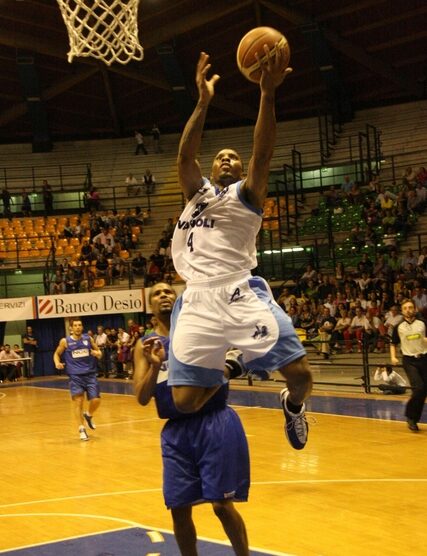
(254, 483)
(133, 525)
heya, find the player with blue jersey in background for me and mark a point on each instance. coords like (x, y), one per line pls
(205, 454)
(77, 354)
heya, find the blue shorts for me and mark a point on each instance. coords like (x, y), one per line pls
(205, 459)
(79, 384)
(237, 311)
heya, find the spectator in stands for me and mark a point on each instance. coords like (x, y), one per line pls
(409, 177)
(346, 186)
(8, 364)
(309, 274)
(342, 325)
(308, 322)
(154, 271)
(169, 227)
(103, 236)
(6, 197)
(71, 286)
(421, 195)
(325, 288)
(139, 264)
(58, 285)
(420, 299)
(155, 132)
(364, 282)
(148, 182)
(140, 144)
(409, 257)
(326, 325)
(412, 201)
(30, 344)
(357, 237)
(392, 319)
(422, 176)
(359, 326)
(365, 265)
(284, 299)
(332, 197)
(26, 203)
(293, 314)
(132, 187)
(47, 195)
(355, 194)
(422, 257)
(93, 199)
(374, 333)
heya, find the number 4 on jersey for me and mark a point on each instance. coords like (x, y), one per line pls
(190, 242)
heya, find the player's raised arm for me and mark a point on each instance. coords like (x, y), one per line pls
(147, 360)
(189, 173)
(274, 71)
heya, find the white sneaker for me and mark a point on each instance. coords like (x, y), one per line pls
(83, 434)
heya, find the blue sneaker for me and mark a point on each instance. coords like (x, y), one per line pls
(88, 419)
(296, 427)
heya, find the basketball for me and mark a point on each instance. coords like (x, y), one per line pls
(253, 42)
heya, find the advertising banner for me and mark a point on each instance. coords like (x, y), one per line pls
(16, 308)
(93, 303)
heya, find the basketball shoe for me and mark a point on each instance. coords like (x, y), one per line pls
(88, 419)
(296, 426)
(237, 368)
(83, 434)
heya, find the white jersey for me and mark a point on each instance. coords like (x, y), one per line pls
(216, 233)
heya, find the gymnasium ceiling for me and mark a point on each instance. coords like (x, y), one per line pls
(363, 52)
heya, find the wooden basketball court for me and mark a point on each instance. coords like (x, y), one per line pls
(358, 488)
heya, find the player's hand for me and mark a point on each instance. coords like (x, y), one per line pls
(153, 351)
(205, 86)
(394, 361)
(273, 67)
(60, 366)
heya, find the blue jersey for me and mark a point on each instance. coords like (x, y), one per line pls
(77, 357)
(163, 392)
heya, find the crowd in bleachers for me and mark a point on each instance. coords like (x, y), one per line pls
(360, 301)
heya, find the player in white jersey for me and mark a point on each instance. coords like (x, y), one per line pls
(214, 251)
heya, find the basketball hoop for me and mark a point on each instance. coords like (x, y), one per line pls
(103, 29)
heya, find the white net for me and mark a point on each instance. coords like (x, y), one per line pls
(107, 30)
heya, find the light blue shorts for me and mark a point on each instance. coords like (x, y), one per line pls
(214, 315)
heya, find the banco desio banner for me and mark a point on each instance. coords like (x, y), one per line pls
(16, 308)
(94, 303)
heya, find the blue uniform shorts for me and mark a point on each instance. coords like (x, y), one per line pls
(79, 384)
(205, 459)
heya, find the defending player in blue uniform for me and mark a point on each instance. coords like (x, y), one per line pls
(214, 250)
(205, 454)
(78, 351)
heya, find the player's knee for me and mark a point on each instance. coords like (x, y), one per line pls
(298, 372)
(222, 509)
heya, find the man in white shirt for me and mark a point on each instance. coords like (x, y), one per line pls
(8, 364)
(359, 325)
(392, 382)
(420, 299)
(101, 342)
(392, 319)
